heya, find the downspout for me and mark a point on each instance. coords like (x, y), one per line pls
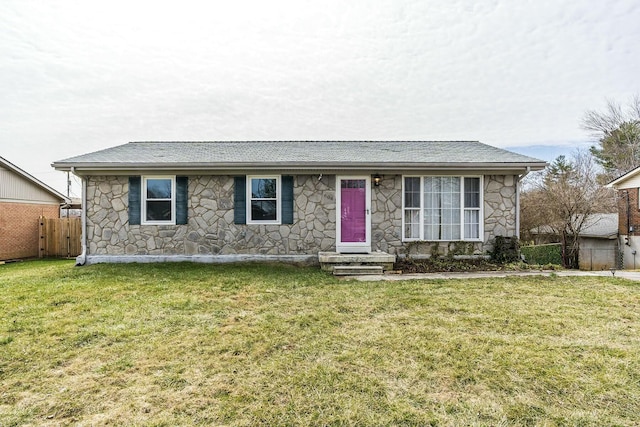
(518, 207)
(629, 230)
(82, 258)
(518, 180)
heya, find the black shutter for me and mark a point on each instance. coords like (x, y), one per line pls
(182, 195)
(240, 202)
(287, 200)
(134, 200)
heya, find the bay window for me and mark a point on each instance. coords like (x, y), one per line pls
(442, 208)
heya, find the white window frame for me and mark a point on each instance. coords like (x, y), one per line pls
(465, 209)
(143, 200)
(462, 209)
(278, 179)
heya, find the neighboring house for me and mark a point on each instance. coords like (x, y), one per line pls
(598, 241)
(627, 187)
(23, 199)
(290, 200)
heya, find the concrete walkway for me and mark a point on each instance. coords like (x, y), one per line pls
(625, 274)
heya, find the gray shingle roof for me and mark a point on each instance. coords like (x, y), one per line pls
(601, 226)
(309, 153)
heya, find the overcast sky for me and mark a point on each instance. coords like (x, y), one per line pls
(77, 77)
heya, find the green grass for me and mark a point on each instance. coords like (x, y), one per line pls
(186, 344)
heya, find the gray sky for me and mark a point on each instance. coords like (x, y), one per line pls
(80, 76)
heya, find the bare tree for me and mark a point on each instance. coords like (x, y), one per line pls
(618, 132)
(563, 197)
(532, 218)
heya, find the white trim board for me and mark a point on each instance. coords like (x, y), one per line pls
(207, 259)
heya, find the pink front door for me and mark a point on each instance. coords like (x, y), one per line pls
(353, 210)
(354, 193)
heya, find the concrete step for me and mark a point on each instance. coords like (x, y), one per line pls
(329, 260)
(356, 270)
(374, 257)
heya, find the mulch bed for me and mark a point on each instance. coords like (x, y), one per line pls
(435, 265)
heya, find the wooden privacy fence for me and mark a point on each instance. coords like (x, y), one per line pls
(60, 237)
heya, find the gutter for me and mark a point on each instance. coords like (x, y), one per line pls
(302, 166)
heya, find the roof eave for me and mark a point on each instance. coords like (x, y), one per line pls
(615, 183)
(302, 166)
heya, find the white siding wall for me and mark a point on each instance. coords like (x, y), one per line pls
(15, 188)
(633, 182)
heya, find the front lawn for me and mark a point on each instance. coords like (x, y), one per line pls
(184, 344)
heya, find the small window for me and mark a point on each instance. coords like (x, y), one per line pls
(263, 199)
(158, 200)
(472, 208)
(412, 207)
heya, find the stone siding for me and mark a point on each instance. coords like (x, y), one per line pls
(211, 231)
(499, 206)
(386, 214)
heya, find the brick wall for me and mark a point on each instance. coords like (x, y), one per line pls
(19, 228)
(633, 209)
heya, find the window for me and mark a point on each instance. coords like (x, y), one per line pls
(441, 208)
(472, 208)
(243, 209)
(263, 199)
(412, 207)
(158, 200)
(446, 208)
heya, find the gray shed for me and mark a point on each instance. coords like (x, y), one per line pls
(599, 242)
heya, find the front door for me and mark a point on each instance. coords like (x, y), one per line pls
(353, 222)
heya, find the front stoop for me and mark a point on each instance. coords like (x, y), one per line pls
(356, 264)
